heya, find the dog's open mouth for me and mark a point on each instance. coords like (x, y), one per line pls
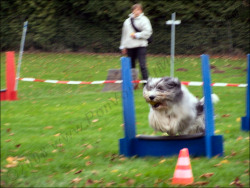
(155, 104)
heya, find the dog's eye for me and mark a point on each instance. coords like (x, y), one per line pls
(159, 87)
(171, 85)
(149, 87)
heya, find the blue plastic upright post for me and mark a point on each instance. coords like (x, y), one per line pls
(245, 122)
(128, 99)
(208, 106)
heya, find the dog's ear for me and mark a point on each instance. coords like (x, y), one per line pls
(147, 84)
(172, 82)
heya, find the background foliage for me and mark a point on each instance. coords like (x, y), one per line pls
(207, 26)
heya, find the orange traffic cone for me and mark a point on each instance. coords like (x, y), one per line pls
(183, 172)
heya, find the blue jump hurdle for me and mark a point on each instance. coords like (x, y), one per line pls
(245, 122)
(141, 146)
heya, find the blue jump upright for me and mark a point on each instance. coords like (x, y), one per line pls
(141, 146)
(245, 122)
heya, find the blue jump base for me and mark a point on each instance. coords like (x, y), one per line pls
(245, 122)
(158, 148)
(141, 146)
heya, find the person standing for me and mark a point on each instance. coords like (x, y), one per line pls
(136, 31)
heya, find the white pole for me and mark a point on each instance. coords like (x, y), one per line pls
(172, 22)
(172, 45)
(25, 25)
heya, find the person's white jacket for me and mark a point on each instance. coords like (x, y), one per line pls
(143, 24)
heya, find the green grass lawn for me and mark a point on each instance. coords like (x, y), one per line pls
(59, 135)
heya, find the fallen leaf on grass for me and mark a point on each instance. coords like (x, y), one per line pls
(21, 158)
(216, 131)
(78, 172)
(11, 165)
(60, 145)
(226, 115)
(212, 66)
(218, 71)
(162, 161)
(8, 140)
(224, 161)
(247, 171)
(8, 130)
(239, 138)
(48, 127)
(76, 180)
(11, 159)
(89, 146)
(114, 171)
(3, 170)
(58, 134)
(73, 170)
(87, 157)
(236, 68)
(130, 182)
(206, 175)
(112, 99)
(122, 159)
(233, 153)
(95, 120)
(238, 119)
(78, 156)
(137, 175)
(182, 70)
(200, 183)
(237, 182)
(94, 172)
(88, 163)
(216, 165)
(98, 181)
(27, 162)
(89, 182)
(18, 145)
(110, 184)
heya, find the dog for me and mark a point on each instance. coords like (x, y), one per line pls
(173, 109)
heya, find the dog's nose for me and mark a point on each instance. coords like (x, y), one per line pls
(151, 97)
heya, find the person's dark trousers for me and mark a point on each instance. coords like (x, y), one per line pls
(140, 54)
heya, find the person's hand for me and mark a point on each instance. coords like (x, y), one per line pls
(124, 51)
(132, 35)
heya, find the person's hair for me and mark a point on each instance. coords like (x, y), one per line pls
(135, 6)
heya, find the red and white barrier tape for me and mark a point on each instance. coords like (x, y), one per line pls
(120, 81)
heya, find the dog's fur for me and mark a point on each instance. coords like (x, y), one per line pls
(173, 109)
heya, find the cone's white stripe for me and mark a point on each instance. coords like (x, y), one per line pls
(183, 173)
(183, 161)
(120, 81)
(51, 81)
